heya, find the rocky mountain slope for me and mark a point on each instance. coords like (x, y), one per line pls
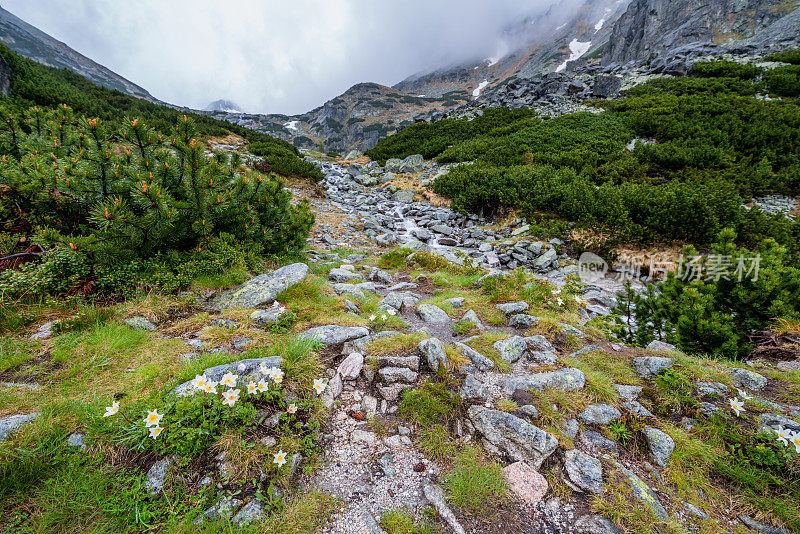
(33, 43)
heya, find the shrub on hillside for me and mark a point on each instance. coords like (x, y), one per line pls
(725, 69)
(784, 81)
(103, 198)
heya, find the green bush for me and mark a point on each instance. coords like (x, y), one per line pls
(787, 56)
(784, 81)
(725, 69)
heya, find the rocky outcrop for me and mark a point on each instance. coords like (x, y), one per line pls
(262, 289)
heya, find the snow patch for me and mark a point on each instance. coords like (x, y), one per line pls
(477, 92)
(291, 125)
(599, 25)
(492, 61)
(576, 49)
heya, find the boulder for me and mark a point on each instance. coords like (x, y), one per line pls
(412, 164)
(481, 362)
(526, 482)
(504, 433)
(261, 290)
(661, 445)
(393, 165)
(432, 314)
(472, 388)
(748, 379)
(599, 414)
(511, 349)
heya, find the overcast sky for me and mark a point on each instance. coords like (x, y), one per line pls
(272, 56)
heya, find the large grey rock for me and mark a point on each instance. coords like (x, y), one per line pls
(748, 379)
(628, 393)
(157, 474)
(262, 289)
(544, 261)
(334, 334)
(435, 353)
(393, 165)
(650, 366)
(504, 433)
(511, 349)
(599, 414)
(584, 472)
(391, 375)
(600, 442)
(412, 164)
(432, 314)
(472, 388)
(606, 86)
(661, 445)
(539, 342)
(567, 379)
(481, 362)
(660, 345)
(523, 320)
(11, 423)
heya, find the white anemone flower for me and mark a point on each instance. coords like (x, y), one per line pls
(737, 405)
(229, 380)
(276, 374)
(251, 387)
(292, 408)
(391, 311)
(795, 440)
(744, 395)
(112, 410)
(319, 385)
(263, 369)
(383, 317)
(153, 418)
(280, 458)
(231, 396)
(199, 382)
(262, 386)
(155, 431)
(211, 387)
(372, 317)
(783, 435)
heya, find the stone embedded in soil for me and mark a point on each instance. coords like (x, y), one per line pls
(137, 322)
(504, 433)
(527, 483)
(334, 334)
(511, 349)
(435, 354)
(224, 508)
(748, 379)
(650, 366)
(660, 345)
(590, 438)
(432, 314)
(481, 362)
(343, 275)
(584, 472)
(472, 388)
(635, 407)
(262, 289)
(596, 524)
(644, 494)
(599, 414)
(567, 379)
(12, 423)
(351, 366)
(661, 445)
(436, 497)
(523, 320)
(511, 308)
(157, 474)
(250, 512)
(628, 393)
(391, 375)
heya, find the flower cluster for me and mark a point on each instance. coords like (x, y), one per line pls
(789, 437)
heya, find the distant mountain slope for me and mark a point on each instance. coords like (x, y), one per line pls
(33, 43)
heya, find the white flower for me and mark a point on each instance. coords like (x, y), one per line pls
(112, 410)
(319, 385)
(372, 317)
(795, 439)
(242, 367)
(231, 396)
(155, 431)
(280, 458)
(153, 418)
(211, 387)
(744, 395)
(263, 369)
(229, 379)
(783, 436)
(276, 374)
(199, 381)
(391, 311)
(251, 387)
(383, 317)
(292, 408)
(737, 405)
(262, 386)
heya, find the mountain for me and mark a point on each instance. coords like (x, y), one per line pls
(33, 43)
(650, 28)
(223, 105)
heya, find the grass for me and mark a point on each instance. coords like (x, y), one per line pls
(475, 483)
(618, 504)
(14, 352)
(431, 403)
(436, 442)
(402, 522)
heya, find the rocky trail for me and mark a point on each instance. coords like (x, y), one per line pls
(499, 357)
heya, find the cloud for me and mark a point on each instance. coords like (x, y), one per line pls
(274, 56)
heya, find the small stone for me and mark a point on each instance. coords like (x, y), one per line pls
(473, 389)
(523, 320)
(661, 445)
(695, 511)
(527, 483)
(250, 512)
(390, 393)
(455, 302)
(435, 354)
(432, 314)
(137, 322)
(636, 408)
(567, 379)
(512, 348)
(391, 375)
(362, 436)
(225, 507)
(711, 389)
(660, 345)
(334, 334)
(435, 496)
(351, 366)
(596, 524)
(157, 474)
(628, 393)
(594, 439)
(511, 308)
(481, 362)
(77, 440)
